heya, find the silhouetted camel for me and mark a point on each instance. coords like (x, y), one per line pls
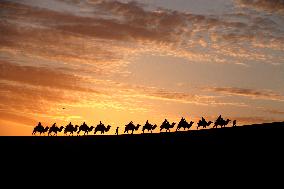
(54, 129)
(101, 127)
(220, 121)
(153, 128)
(85, 128)
(131, 127)
(149, 127)
(203, 123)
(225, 123)
(184, 124)
(45, 130)
(166, 125)
(70, 128)
(39, 129)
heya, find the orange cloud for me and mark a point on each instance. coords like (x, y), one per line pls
(40, 76)
(254, 94)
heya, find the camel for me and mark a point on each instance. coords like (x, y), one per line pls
(203, 123)
(101, 127)
(131, 127)
(149, 127)
(184, 124)
(166, 125)
(45, 130)
(85, 128)
(40, 129)
(54, 129)
(220, 121)
(70, 128)
(225, 123)
(153, 128)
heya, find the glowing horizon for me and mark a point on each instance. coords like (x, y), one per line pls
(121, 61)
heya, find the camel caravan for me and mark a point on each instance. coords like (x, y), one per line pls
(130, 128)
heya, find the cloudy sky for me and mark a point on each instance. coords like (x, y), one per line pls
(116, 61)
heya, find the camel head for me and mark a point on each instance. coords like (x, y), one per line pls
(173, 124)
(191, 122)
(209, 123)
(154, 127)
(228, 120)
(46, 128)
(108, 128)
(60, 129)
(137, 127)
(91, 128)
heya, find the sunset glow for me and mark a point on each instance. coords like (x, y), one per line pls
(119, 61)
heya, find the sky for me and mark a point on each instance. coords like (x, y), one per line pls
(118, 61)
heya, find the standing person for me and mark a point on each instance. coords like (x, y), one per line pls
(234, 123)
(116, 131)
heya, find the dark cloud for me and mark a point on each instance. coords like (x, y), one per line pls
(132, 22)
(267, 5)
(136, 23)
(252, 93)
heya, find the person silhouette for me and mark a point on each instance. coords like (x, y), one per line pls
(203, 120)
(234, 123)
(116, 131)
(219, 118)
(166, 121)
